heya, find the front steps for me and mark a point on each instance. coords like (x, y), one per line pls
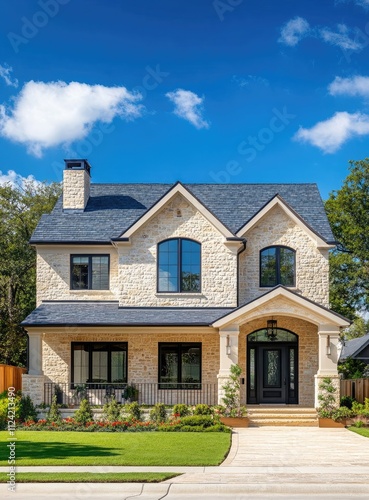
(262, 415)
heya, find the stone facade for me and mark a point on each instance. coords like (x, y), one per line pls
(312, 271)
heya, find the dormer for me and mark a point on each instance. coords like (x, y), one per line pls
(76, 185)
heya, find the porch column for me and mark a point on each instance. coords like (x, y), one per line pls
(33, 381)
(228, 353)
(328, 358)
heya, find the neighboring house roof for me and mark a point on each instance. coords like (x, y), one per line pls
(113, 208)
(354, 348)
(104, 313)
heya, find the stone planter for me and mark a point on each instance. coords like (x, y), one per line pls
(329, 422)
(235, 421)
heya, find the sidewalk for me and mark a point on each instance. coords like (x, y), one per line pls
(265, 462)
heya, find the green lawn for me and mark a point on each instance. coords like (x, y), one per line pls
(105, 448)
(89, 477)
(363, 431)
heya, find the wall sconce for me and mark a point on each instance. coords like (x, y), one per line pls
(228, 346)
(328, 345)
(271, 329)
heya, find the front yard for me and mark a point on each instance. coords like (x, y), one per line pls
(141, 448)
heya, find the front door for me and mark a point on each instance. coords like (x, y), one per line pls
(272, 369)
(272, 381)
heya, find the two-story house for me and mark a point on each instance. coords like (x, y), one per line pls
(164, 287)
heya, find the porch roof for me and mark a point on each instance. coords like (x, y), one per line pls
(108, 313)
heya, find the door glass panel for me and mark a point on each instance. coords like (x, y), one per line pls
(272, 368)
(252, 369)
(292, 369)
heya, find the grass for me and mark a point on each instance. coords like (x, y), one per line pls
(104, 448)
(89, 477)
(363, 431)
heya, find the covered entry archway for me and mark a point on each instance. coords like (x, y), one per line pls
(272, 367)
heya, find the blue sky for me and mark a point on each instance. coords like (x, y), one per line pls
(191, 90)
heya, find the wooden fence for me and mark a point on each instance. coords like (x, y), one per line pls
(356, 388)
(11, 376)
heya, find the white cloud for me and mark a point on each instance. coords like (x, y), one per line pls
(245, 81)
(354, 86)
(50, 114)
(293, 31)
(340, 38)
(16, 180)
(188, 105)
(5, 74)
(331, 134)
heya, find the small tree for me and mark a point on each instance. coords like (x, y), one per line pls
(111, 411)
(327, 398)
(84, 413)
(231, 398)
(54, 414)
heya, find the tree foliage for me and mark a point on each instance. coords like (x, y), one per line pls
(348, 214)
(20, 210)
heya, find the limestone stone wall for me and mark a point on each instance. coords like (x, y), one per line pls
(276, 228)
(33, 386)
(138, 262)
(76, 189)
(53, 274)
(142, 350)
(307, 354)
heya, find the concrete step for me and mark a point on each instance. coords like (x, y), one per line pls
(282, 415)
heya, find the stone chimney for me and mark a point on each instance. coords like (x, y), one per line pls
(76, 185)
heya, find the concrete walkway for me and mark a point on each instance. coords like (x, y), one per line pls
(265, 462)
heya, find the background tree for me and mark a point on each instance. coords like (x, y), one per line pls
(348, 213)
(20, 210)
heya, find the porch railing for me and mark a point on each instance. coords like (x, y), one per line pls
(145, 393)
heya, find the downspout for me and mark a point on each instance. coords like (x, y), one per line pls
(244, 241)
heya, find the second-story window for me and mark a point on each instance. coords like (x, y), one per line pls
(179, 266)
(89, 272)
(277, 266)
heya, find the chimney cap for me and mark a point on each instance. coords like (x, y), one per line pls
(77, 164)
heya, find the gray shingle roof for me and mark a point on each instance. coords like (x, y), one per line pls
(112, 208)
(110, 314)
(353, 347)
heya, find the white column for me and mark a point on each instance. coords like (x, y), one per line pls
(328, 357)
(35, 353)
(228, 353)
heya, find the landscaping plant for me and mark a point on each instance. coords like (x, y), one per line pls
(84, 413)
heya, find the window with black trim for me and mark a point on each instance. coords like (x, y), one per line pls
(99, 362)
(89, 272)
(180, 366)
(179, 266)
(277, 266)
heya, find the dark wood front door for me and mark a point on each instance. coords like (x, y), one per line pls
(272, 371)
(272, 382)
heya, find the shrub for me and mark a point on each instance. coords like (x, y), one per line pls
(84, 413)
(54, 415)
(111, 411)
(158, 414)
(347, 401)
(134, 411)
(27, 410)
(202, 409)
(181, 410)
(327, 398)
(359, 423)
(196, 420)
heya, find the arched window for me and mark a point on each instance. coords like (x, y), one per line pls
(179, 266)
(277, 266)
